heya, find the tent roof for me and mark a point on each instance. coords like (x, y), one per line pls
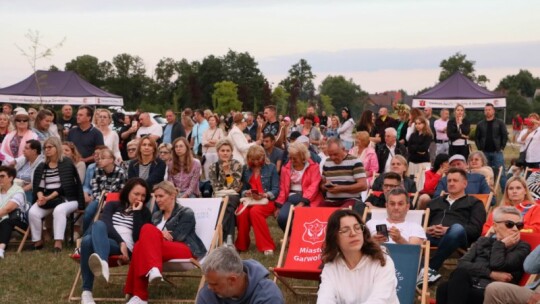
(57, 88)
(458, 86)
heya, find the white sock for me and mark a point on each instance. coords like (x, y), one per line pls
(1, 253)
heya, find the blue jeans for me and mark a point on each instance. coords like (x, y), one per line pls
(283, 214)
(89, 213)
(455, 237)
(495, 160)
(96, 241)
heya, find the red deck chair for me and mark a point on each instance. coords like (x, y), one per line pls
(303, 259)
(532, 239)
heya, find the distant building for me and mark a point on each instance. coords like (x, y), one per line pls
(386, 99)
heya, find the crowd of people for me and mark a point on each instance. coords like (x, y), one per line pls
(265, 164)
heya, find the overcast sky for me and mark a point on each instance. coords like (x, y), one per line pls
(381, 44)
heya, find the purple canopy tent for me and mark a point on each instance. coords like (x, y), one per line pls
(57, 88)
(458, 89)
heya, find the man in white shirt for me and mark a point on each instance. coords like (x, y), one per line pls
(149, 127)
(399, 230)
(441, 138)
(197, 132)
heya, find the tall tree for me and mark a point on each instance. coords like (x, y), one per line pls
(515, 103)
(300, 78)
(87, 66)
(280, 99)
(459, 63)
(212, 70)
(524, 82)
(242, 69)
(343, 93)
(129, 79)
(225, 97)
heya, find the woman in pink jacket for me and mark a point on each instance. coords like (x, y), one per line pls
(299, 183)
(14, 142)
(365, 152)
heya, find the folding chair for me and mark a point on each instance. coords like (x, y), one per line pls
(25, 234)
(407, 261)
(416, 216)
(498, 181)
(485, 198)
(303, 258)
(209, 213)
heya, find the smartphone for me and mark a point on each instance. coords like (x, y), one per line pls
(382, 230)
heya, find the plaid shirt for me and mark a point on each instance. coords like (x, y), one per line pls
(113, 182)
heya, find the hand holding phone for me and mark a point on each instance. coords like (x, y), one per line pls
(382, 230)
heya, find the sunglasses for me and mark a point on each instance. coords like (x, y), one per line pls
(21, 120)
(510, 224)
(132, 150)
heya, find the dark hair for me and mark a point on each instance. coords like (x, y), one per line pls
(331, 247)
(392, 175)
(199, 111)
(366, 120)
(10, 171)
(130, 184)
(439, 160)
(346, 109)
(489, 104)
(89, 110)
(457, 170)
(397, 191)
(40, 116)
(310, 117)
(270, 135)
(34, 145)
(294, 135)
(271, 108)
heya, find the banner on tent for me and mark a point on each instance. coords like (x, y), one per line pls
(451, 103)
(62, 100)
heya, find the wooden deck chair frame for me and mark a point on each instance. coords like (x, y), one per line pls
(25, 234)
(497, 185)
(175, 268)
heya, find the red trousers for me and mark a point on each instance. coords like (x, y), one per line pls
(255, 216)
(151, 250)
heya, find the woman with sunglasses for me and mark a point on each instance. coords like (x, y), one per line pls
(517, 194)
(490, 259)
(14, 142)
(356, 270)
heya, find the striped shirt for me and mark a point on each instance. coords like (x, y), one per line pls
(51, 179)
(345, 173)
(123, 224)
(533, 182)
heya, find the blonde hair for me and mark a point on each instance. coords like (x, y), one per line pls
(255, 152)
(506, 199)
(75, 155)
(459, 106)
(363, 138)
(224, 142)
(54, 141)
(300, 149)
(166, 186)
(403, 161)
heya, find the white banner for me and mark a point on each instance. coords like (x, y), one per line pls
(61, 100)
(451, 103)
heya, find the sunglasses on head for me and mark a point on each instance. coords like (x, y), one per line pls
(21, 120)
(510, 224)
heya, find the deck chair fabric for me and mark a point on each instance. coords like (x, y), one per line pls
(533, 239)
(485, 198)
(303, 259)
(407, 261)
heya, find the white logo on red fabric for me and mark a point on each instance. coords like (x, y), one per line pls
(315, 232)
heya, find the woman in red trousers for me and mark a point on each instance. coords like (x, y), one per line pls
(172, 236)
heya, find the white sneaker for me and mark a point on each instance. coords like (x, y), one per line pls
(87, 298)
(1, 253)
(154, 275)
(269, 252)
(136, 300)
(98, 266)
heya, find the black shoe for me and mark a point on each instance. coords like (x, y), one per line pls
(37, 247)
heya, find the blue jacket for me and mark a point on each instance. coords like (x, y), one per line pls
(156, 175)
(269, 180)
(476, 184)
(260, 288)
(532, 265)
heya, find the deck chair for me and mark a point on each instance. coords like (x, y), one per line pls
(533, 239)
(497, 184)
(485, 198)
(407, 261)
(417, 216)
(209, 213)
(303, 258)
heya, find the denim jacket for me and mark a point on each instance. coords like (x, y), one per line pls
(269, 180)
(182, 227)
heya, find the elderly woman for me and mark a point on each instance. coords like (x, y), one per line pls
(57, 189)
(131, 150)
(478, 163)
(356, 270)
(210, 139)
(226, 178)
(399, 165)
(458, 130)
(115, 233)
(518, 195)
(13, 207)
(103, 122)
(238, 139)
(147, 165)
(42, 124)
(14, 142)
(490, 259)
(365, 152)
(299, 183)
(184, 170)
(345, 131)
(170, 236)
(260, 184)
(165, 152)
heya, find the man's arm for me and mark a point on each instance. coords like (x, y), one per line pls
(532, 262)
(504, 135)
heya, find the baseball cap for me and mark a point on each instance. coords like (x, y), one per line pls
(457, 157)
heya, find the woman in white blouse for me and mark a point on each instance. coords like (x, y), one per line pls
(209, 141)
(110, 138)
(238, 139)
(356, 270)
(346, 129)
(530, 141)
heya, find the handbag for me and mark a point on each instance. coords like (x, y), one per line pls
(248, 201)
(18, 215)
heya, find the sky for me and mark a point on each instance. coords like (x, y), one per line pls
(380, 44)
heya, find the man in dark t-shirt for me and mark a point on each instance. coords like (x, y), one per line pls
(67, 120)
(272, 125)
(274, 154)
(85, 136)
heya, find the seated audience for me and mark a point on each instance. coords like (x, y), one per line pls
(432, 178)
(356, 269)
(478, 164)
(71, 151)
(399, 230)
(165, 152)
(26, 165)
(366, 154)
(229, 280)
(184, 170)
(13, 207)
(147, 165)
(115, 233)
(132, 153)
(57, 190)
(43, 121)
(400, 166)
(490, 259)
(387, 149)
(170, 236)
(260, 183)
(391, 180)
(15, 141)
(273, 153)
(299, 183)
(344, 177)
(517, 194)
(476, 183)
(455, 221)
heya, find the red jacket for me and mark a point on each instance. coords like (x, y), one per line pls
(430, 182)
(310, 184)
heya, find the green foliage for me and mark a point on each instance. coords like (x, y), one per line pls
(515, 103)
(87, 67)
(225, 97)
(279, 98)
(301, 107)
(300, 78)
(524, 82)
(459, 63)
(343, 93)
(327, 105)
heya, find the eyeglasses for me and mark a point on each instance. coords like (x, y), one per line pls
(48, 147)
(21, 120)
(358, 228)
(510, 224)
